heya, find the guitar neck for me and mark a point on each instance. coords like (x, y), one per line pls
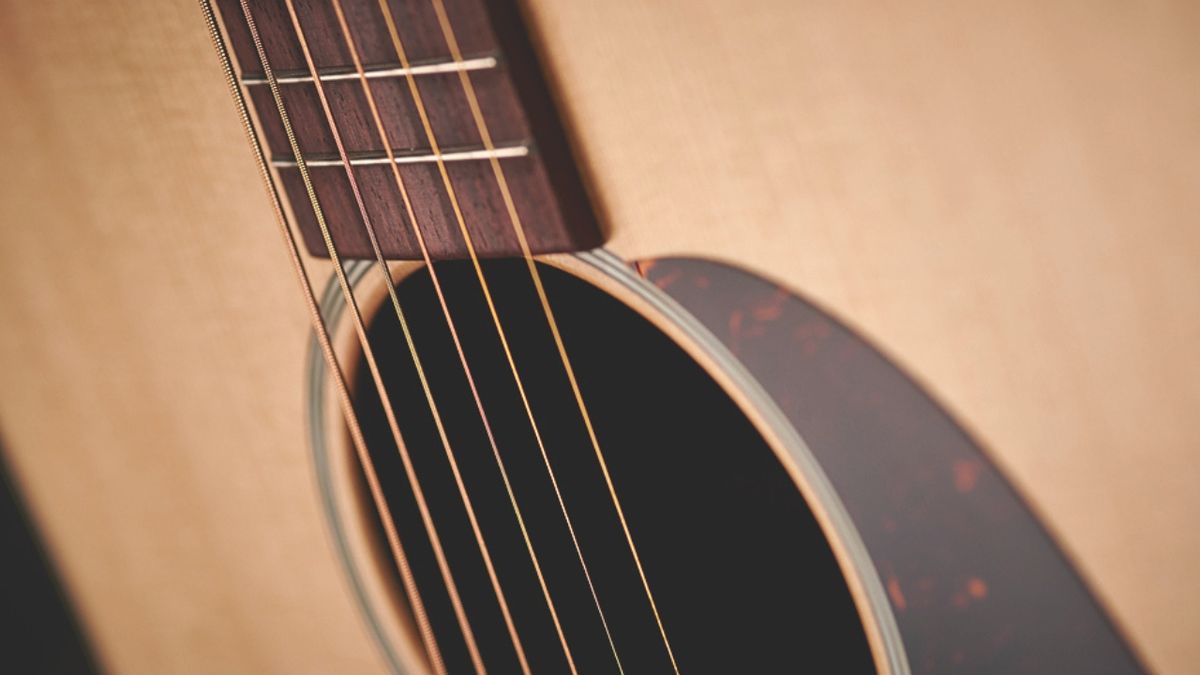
(399, 95)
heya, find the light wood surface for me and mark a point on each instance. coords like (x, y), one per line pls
(1002, 195)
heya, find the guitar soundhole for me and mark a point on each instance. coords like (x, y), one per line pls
(742, 576)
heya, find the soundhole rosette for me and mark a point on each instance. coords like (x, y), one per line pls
(350, 512)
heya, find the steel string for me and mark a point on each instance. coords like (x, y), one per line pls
(417, 231)
(321, 331)
(498, 171)
(431, 136)
(360, 329)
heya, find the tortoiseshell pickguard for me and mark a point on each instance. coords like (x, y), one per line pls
(976, 583)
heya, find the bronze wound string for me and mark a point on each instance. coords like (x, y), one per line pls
(323, 339)
(368, 353)
(383, 268)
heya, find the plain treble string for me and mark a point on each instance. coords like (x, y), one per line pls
(405, 329)
(498, 171)
(401, 53)
(419, 235)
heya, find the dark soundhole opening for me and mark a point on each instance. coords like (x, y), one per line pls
(742, 576)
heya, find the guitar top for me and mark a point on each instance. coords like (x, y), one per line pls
(457, 336)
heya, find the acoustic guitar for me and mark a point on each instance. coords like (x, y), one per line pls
(557, 336)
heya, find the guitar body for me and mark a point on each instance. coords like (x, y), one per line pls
(983, 216)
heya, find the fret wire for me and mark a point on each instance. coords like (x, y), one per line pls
(451, 459)
(324, 340)
(359, 325)
(503, 152)
(477, 113)
(479, 63)
(450, 324)
(414, 90)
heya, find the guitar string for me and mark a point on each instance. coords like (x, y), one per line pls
(429, 641)
(401, 53)
(417, 231)
(368, 353)
(468, 504)
(481, 125)
(448, 32)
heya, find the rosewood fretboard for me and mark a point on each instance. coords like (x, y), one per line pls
(527, 136)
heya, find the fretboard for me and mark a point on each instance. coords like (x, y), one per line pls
(526, 135)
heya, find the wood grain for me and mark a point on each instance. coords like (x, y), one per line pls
(152, 400)
(1001, 195)
(550, 199)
